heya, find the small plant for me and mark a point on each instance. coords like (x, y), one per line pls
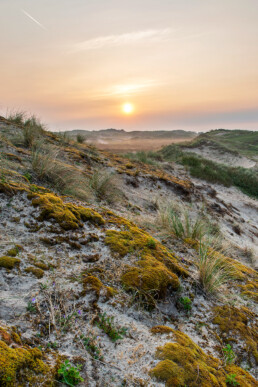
(151, 243)
(67, 320)
(91, 346)
(34, 188)
(3, 178)
(229, 354)
(186, 302)
(31, 306)
(231, 380)
(70, 375)
(27, 176)
(106, 323)
(16, 117)
(80, 138)
(52, 345)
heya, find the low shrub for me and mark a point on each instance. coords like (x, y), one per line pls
(69, 374)
(106, 323)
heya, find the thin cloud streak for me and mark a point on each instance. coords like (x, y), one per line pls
(128, 89)
(33, 19)
(122, 39)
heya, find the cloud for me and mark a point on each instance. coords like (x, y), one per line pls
(33, 19)
(128, 88)
(122, 39)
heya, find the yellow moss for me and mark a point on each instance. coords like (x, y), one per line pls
(87, 214)
(5, 336)
(156, 269)
(68, 216)
(53, 207)
(240, 324)
(12, 252)
(252, 295)
(92, 283)
(136, 240)
(9, 262)
(41, 265)
(15, 337)
(23, 366)
(250, 289)
(110, 292)
(161, 329)
(39, 273)
(184, 363)
(11, 187)
(151, 278)
(14, 157)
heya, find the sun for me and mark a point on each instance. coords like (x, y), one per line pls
(128, 108)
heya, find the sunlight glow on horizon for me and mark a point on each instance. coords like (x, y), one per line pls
(128, 108)
(182, 65)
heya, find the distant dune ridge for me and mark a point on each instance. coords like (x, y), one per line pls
(134, 134)
(121, 141)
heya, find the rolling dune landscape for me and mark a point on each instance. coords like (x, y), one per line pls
(128, 193)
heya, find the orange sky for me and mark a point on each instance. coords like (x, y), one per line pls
(182, 64)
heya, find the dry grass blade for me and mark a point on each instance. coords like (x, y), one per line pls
(181, 223)
(214, 268)
(105, 186)
(63, 177)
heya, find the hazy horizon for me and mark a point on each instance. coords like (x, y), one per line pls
(181, 65)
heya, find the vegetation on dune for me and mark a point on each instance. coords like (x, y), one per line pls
(22, 365)
(184, 363)
(105, 186)
(69, 216)
(152, 158)
(214, 268)
(179, 221)
(48, 167)
(245, 179)
(9, 262)
(239, 323)
(31, 131)
(90, 266)
(237, 142)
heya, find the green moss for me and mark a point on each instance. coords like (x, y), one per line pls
(9, 262)
(185, 364)
(39, 273)
(68, 216)
(238, 324)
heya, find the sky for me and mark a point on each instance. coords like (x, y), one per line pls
(181, 64)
